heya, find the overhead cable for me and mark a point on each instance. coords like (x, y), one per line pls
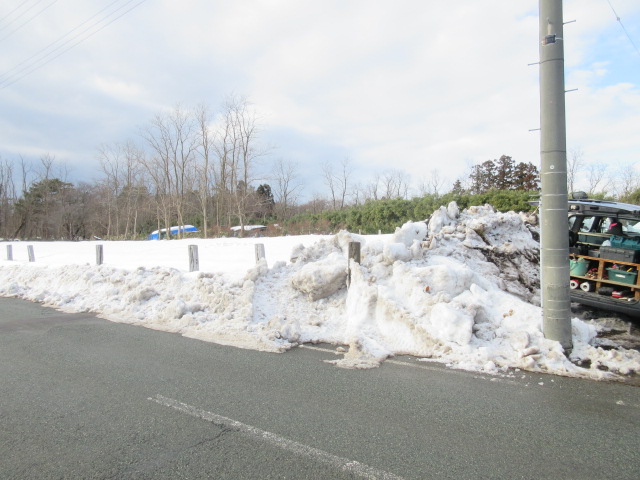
(52, 44)
(11, 13)
(21, 14)
(26, 21)
(11, 78)
(623, 27)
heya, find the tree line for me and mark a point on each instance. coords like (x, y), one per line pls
(193, 167)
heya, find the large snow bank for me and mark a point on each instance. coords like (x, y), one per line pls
(462, 288)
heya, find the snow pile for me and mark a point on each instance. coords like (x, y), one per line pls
(462, 288)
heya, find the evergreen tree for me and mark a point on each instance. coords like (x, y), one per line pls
(42, 209)
(504, 173)
(265, 199)
(526, 177)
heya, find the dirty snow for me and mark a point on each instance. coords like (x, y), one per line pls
(461, 288)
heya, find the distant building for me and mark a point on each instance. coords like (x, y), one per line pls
(256, 229)
(162, 233)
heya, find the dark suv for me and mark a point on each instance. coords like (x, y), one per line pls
(604, 241)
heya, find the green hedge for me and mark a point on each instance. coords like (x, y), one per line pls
(386, 215)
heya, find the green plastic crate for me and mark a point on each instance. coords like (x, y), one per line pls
(622, 276)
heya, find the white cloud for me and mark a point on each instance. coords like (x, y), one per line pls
(408, 84)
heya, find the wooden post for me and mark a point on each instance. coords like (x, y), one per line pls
(194, 261)
(354, 254)
(99, 254)
(259, 252)
(32, 255)
(354, 251)
(9, 252)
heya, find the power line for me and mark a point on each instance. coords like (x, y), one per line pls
(21, 15)
(39, 63)
(42, 50)
(623, 27)
(25, 22)
(11, 12)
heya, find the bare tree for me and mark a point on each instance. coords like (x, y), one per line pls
(223, 146)
(110, 164)
(395, 184)
(343, 180)
(575, 163)
(317, 204)
(25, 173)
(173, 140)
(286, 186)
(47, 161)
(432, 185)
(237, 151)
(359, 194)
(373, 187)
(627, 180)
(338, 183)
(436, 182)
(597, 177)
(7, 197)
(121, 165)
(206, 146)
(133, 190)
(331, 182)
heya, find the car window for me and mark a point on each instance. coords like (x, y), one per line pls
(604, 225)
(587, 223)
(572, 222)
(632, 226)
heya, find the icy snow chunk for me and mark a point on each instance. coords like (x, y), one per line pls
(396, 251)
(360, 356)
(582, 332)
(260, 269)
(472, 239)
(142, 294)
(322, 278)
(453, 211)
(449, 278)
(410, 232)
(450, 323)
(444, 217)
(296, 252)
(365, 342)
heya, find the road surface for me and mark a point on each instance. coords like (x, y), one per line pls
(82, 397)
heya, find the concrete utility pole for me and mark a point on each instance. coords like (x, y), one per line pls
(554, 238)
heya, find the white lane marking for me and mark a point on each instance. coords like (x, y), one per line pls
(340, 463)
(425, 367)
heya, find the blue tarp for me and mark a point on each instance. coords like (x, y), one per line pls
(157, 234)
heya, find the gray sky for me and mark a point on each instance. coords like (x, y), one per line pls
(416, 85)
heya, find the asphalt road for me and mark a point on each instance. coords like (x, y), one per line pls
(82, 397)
